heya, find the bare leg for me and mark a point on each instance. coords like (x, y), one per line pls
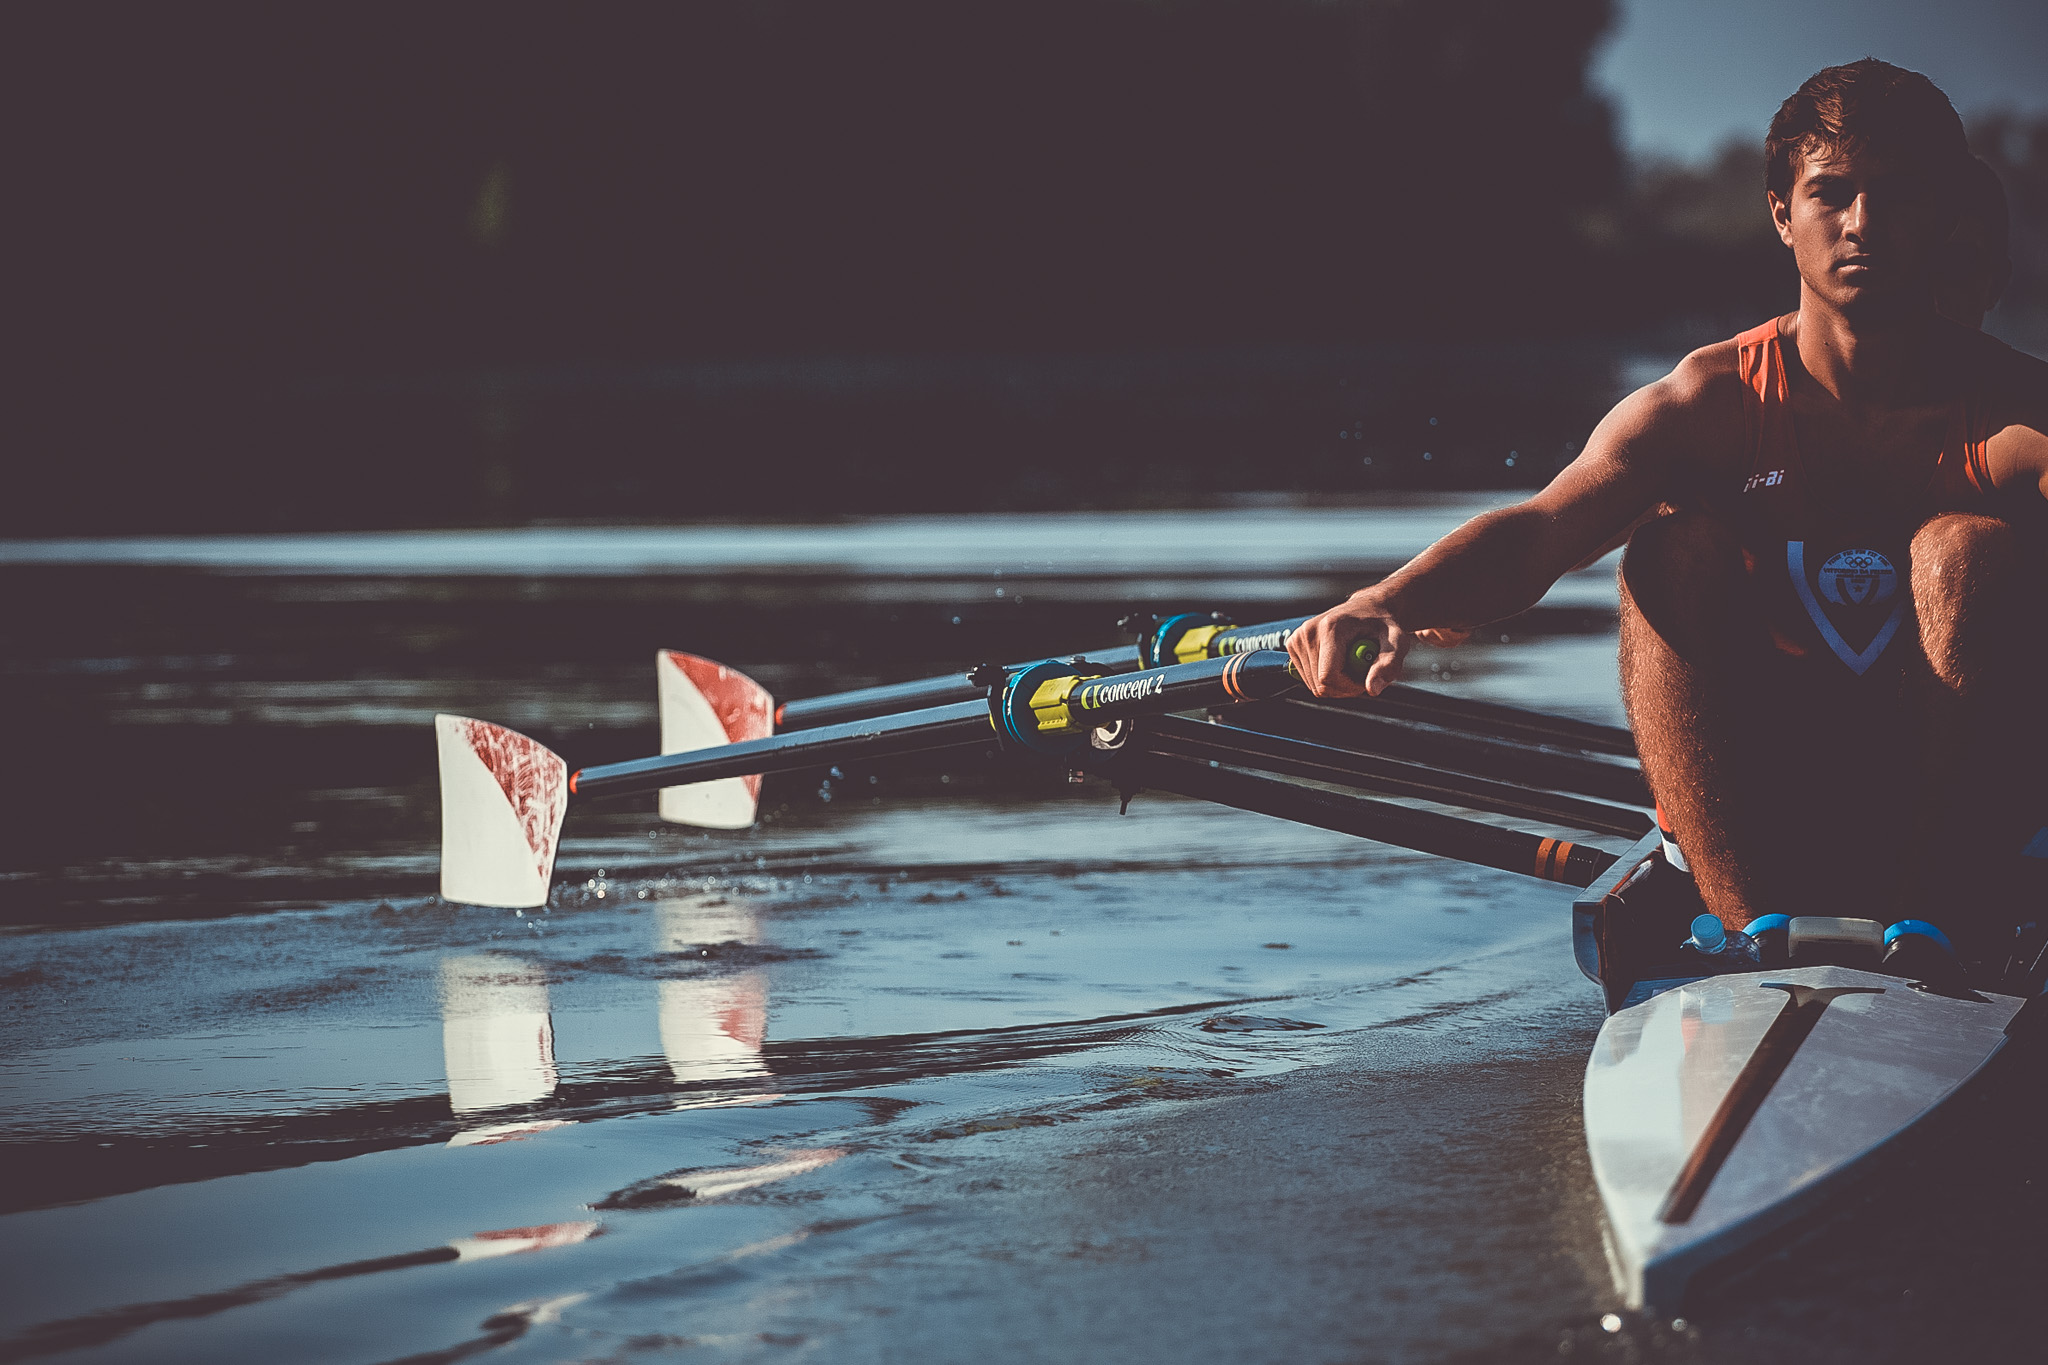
(1695, 662)
(1982, 796)
(1964, 571)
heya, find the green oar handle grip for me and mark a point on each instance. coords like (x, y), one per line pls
(1358, 660)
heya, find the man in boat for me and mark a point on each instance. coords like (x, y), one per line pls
(1830, 644)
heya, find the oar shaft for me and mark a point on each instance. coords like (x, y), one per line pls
(1446, 836)
(1209, 641)
(1345, 726)
(934, 727)
(840, 707)
(1402, 702)
(1182, 738)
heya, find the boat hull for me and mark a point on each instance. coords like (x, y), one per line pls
(1722, 1109)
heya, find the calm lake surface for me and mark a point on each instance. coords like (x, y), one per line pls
(940, 1061)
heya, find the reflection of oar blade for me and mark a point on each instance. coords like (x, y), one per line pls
(497, 1036)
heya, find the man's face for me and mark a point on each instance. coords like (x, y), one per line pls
(1864, 229)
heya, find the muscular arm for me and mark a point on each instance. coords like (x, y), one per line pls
(2018, 451)
(1503, 562)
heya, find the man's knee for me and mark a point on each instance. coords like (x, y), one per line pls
(1958, 553)
(1964, 577)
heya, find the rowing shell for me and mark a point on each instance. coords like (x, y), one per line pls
(1720, 1110)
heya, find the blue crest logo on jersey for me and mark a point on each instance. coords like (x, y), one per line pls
(1852, 579)
(1856, 578)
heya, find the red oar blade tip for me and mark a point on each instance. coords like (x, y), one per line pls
(502, 801)
(705, 704)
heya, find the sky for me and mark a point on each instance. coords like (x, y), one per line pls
(1687, 76)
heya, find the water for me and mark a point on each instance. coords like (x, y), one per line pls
(952, 1064)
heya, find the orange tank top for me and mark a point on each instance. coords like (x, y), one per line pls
(1833, 562)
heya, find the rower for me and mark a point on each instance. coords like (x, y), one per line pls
(1828, 646)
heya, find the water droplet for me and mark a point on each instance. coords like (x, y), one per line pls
(1366, 460)
(1432, 421)
(956, 620)
(1343, 435)
(1611, 1322)
(1426, 455)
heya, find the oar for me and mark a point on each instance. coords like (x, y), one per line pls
(1187, 638)
(1050, 707)
(1176, 737)
(503, 795)
(1447, 836)
(1497, 754)
(1178, 639)
(1400, 702)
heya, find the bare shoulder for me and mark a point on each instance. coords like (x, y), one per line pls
(1653, 447)
(1706, 383)
(1695, 409)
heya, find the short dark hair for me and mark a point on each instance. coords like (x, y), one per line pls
(1865, 104)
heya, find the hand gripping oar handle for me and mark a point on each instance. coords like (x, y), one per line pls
(1048, 708)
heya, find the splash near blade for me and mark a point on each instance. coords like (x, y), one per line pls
(502, 801)
(705, 704)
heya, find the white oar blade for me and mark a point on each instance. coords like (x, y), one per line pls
(502, 801)
(704, 704)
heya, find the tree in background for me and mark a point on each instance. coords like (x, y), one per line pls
(342, 265)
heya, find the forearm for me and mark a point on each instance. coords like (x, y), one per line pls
(1493, 566)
